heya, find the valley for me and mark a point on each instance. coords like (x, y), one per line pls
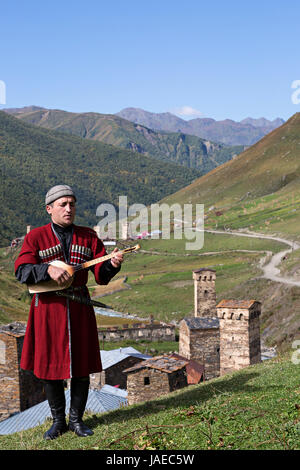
(254, 193)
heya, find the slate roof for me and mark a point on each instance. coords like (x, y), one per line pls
(200, 270)
(163, 363)
(108, 398)
(198, 323)
(110, 358)
(236, 303)
(16, 329)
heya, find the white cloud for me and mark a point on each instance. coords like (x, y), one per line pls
(187, 111)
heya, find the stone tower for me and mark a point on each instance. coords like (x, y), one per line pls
(204, 293)
(239, 334)
(200, 341)
(19, 389)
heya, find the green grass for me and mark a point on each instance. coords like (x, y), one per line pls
(160, 274)
(256, 408)
(212, 243)
(144, 346)
(159, 277)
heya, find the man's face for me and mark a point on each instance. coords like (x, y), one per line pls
(62, 211)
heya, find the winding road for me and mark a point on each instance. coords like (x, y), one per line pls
(270, 270)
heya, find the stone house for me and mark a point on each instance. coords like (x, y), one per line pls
(137, 332)
(200, 341)
(223, 337)
(155, 377)
(113, 364)
(19, 389)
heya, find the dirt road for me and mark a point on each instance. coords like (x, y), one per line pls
(270, 270)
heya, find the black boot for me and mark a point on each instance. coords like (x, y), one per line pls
(79, 396)
(56, 398)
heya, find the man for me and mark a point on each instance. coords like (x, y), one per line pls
(61, 339)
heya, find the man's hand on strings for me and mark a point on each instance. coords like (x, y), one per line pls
(117, 259)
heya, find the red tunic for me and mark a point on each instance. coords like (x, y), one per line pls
(61, 339)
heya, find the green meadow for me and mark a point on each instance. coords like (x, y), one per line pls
(256, 408)
(159, 282)
(160, 274)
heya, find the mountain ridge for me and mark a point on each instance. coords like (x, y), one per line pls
(187, 150)
(268, 170)
(32, 159)
(227, 131)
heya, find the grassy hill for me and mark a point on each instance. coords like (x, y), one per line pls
(176, 147)
(159, 282)
(236, 195)
(33, 159)
(256, 408)
(259, 189)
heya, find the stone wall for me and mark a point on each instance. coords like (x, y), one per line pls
(205, 349)
(9, 376)
(240, 337)
(114, 375)
(140, 331)
(178, 379)
(19, 389)
(31, 390)
(200, 341)
(147, 384)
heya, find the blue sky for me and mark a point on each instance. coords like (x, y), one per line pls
(223, 59)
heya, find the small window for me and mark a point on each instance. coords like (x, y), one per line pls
(146, 380)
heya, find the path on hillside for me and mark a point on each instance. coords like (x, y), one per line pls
(270, 270)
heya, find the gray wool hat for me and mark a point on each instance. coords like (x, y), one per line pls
(61, 190)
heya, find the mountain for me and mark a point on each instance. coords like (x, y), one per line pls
(266, 167)
(179, 148)
(259, 191)
(33, 159)
(259, 188)
(262, 122)
(158, 121)
(228, 132)
(25, 109)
